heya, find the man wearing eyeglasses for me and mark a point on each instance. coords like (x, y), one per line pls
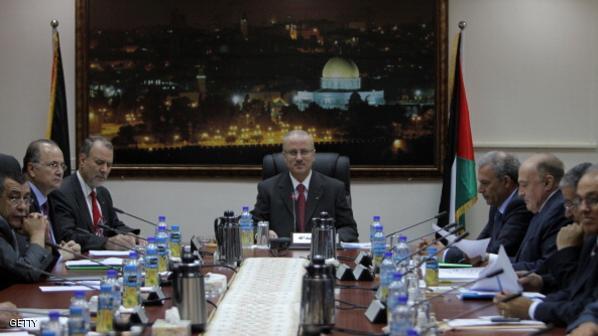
(44, 167)
(564, 306)
(22, 235)
(289, 200)
(82, 208)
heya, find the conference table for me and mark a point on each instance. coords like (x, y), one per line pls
(445, 307)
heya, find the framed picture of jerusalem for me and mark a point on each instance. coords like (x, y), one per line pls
(199, 87)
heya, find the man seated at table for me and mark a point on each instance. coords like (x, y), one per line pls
(587, 323)
(539, 178)
(554, 274)
(44, 167)
(563, 306)
(508, 218)
(289, 200)
(81, 206)
(22, 235)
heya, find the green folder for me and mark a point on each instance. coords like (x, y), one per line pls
(453, 265)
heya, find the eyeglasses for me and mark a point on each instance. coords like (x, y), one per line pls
(54, 165)
(572, 204)
(295, 153)
(589, 200)
(16, 200)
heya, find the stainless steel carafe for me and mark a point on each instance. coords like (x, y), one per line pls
(228, 237)
(189, 293)
(317, 297)
(323, 236)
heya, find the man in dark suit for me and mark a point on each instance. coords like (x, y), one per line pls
(81, 206)
(539, 178)
(22, 235)
(508, 217)
(289, 200)
(44, 167)
(587, 323)
(563, 306)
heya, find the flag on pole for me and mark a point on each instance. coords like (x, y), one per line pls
(459, 190)
(58, 126)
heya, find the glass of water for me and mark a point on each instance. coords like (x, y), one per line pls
(262, 234)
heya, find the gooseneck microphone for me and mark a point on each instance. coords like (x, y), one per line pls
(125, 233)
(124, 247)
(458, 239)
(81, 256)
(65, 280)
(444, 228)
(134, 216)
(439, 215)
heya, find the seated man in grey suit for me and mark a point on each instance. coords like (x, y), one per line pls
(539, 178)
(22, 235)
(508, 217)
(81, 206)
(290, 200)
(564, 306)
(587, 323)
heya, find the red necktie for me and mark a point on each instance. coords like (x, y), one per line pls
(95, 211)
(301, 208)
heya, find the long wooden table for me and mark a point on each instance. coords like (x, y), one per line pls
(30, 296)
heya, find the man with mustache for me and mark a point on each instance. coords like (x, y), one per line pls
(290, 200)
(81, 203)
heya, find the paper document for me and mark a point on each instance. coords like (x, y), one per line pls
(459, 274)
(471, 294)
(485, 321)
(358, 246)
(71, 287)
(84, 262)
(108, 253)
(504, 282)
(473, 248)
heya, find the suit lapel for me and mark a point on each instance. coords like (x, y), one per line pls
(315, 191)
(81, 200)
(285, 188)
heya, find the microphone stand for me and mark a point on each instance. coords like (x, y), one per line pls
(133, 216)
(26, 265)
(124, 233)
(441, 214)
(81, 256)
(458, 239)
(448, 227)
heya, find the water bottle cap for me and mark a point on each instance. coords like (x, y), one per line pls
(245, 208)
(387, 254)
(105, 288)
(412, 332)
(376, 218)
(161, 218)
(111, 274)
(54, 315)
(79, 294)
(76, 310)
(174, 227)
(403, 239)
(133, 255)
(397, 276)
(432, 250)
(151, 240)
(402, 299)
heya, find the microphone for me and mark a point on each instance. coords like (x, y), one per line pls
(458, 239)
(447, 227)
(81, 256)
(439, 215)
(109, 228)
(65, 280)
(124, 247)
(133, 216)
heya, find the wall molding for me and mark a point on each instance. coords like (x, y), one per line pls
(548, 145)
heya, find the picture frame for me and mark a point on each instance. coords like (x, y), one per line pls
(202, 88)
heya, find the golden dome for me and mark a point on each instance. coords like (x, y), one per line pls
(338, 67)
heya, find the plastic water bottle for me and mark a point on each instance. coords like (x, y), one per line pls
(174, 243)
(246, 226)
(105, 309)
(400, 321)
(53, 324)
(162, 246)
(432, 267)
(387, 270)
(401, 252)
(395, 291)
(78, 300)
(378, 246)
(76, 323)
(152, 277)
(375, 223)
(112, 280)
(140, 264)
(130, 297)
(161, 223)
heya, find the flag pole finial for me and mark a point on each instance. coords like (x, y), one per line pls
(462, 25)
(54, 24)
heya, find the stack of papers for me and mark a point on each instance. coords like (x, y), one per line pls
(84, 263)
(459, 274)
(504, 282)
(108, 253)
(484, 322)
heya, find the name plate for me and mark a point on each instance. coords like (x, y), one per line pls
(301, 238)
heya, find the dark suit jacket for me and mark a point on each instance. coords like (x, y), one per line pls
(275, 204)
(35, 207)
(15, 250)
(564, 306)
(508, 231)
(590, 314)
(539, 242)
(558, 270)
(69, 211)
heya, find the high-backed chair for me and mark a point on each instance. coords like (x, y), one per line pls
(329, 164)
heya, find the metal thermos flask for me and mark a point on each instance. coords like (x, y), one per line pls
(323, 236)
(189, 293)
(228, 237)
(317, 298)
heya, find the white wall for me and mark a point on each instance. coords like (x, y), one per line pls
(531, 70)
